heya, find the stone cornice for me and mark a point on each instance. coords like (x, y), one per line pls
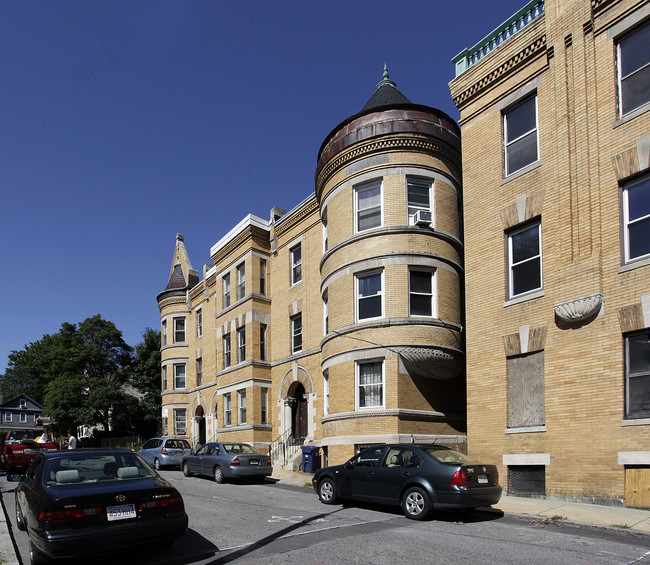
(393, 143)
(296, 217)
(237, 243)
(532, 51)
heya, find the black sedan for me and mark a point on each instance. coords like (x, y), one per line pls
(82, 502)
(420, 478)
(227, 461)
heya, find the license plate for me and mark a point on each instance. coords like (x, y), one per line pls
(254, 462)
(122, 512)
(482, 479)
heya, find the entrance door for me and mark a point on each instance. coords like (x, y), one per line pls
(299, 413)
(200, 419)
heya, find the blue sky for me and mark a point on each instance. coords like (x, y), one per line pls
(125, 122)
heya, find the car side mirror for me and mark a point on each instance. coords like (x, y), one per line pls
(348, 465)
(14, 477)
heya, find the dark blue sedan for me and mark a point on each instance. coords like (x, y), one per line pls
(419, 478)
(227, 461)
(78, 502)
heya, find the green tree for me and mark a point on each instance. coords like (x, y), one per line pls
(146, 380)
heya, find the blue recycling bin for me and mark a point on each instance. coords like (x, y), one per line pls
(310, 458)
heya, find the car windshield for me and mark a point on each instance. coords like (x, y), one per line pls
(20, 435)
(239, 448)
(80, 468)
(446, 455)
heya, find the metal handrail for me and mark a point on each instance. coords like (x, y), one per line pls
(284, 446)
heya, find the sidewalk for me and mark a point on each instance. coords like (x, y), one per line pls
(634, 519)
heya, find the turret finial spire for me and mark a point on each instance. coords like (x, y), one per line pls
(385, 81)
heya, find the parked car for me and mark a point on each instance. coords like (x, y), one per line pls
(20, 447)
(165, 451)
(74, 503)
(226, 461)
(420, 478)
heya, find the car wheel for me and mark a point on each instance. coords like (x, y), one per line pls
(416, 504)
(20, 520)
(186, 469)
(327, 491)
(218, 474)
(156, 464)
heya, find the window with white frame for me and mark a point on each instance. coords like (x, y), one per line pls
(164, 333)
(419, 195)
(369, 289)
(637, 375)
(179, 375)
(227, 410)
(164, 377)
(241, 344)
(326, 314)
(326, 392)
(263, 277)
(199, 323)
(520, 135)
(264, 405)
(422, 298)
(370, 384)
(633, 67)
(226, 351)
(8, 416)
(524, 259)
(226, 290)
(179, 330)
(367, 200)
(325, 234)
(199, 371)
(296, 333)
(23, 403)
(636, 219)
(23, 418)
(180, 421)
(296, 263)
(241, 281)
(241, 400)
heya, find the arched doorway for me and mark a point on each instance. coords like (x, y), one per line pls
(199, 418)
(298, 411)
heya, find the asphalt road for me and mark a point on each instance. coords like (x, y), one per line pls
(268, 524)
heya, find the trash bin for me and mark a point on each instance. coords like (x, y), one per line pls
(310, 458)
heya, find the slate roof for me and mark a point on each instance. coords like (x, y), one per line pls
(386, 94)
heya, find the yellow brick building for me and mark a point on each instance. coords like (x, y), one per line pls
(556, 180)
(339, 323)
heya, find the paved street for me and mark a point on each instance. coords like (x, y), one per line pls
(265, 524)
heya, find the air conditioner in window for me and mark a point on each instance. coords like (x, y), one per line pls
(422, 218)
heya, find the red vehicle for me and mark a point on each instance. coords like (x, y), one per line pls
(20, 448)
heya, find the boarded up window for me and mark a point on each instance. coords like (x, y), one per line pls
(526, 390)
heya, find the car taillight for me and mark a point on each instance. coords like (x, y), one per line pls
(496, 477)
(161, 503)
(69, 514)
(235, 462)
(163, 451)
(459, 479)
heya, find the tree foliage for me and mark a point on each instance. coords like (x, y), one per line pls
(146, 379)
(86, 374)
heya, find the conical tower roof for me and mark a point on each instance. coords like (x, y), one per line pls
(386, 94)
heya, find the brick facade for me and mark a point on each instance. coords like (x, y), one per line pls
(567, 58)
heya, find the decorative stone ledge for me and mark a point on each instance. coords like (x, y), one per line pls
(579, 309)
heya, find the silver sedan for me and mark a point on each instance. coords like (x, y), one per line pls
(227, 461)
